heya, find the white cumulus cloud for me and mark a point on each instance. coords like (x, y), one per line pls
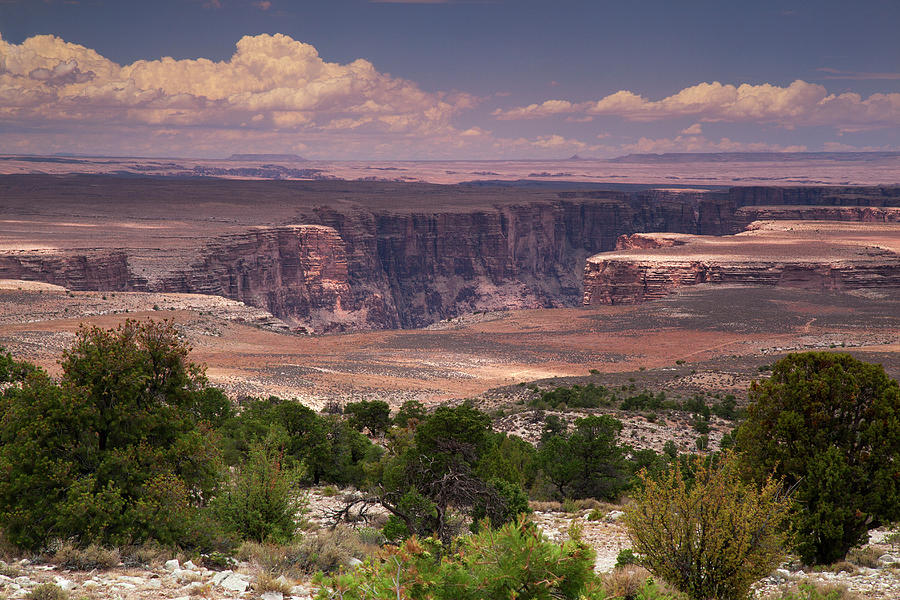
(271, 82)
(798, 104)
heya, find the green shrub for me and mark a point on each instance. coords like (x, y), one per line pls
(513, 561)
(330, 450)
(828, 424)
(261, 503)
(576, 396)
(117, 451)
(411, 411)
(436, 476)
(711, 539)
(626, 557)
(587, 463)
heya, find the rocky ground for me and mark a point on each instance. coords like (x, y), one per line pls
(876, 575)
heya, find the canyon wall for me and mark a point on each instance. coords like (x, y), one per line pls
(361, 262)
(820, 256)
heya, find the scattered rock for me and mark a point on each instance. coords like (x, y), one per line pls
(63, 583)
(172, 565)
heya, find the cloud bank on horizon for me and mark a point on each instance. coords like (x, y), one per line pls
(799, 104)
(276, 94)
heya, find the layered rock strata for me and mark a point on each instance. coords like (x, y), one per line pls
(814, 255)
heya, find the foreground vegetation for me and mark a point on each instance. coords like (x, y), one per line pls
(131, 446)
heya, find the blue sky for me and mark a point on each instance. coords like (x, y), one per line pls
(476, 79)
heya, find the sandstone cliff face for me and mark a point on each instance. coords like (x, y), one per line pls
(623, 282)
(348, 266)
(296, 272)
(89, 270)
(811, 255)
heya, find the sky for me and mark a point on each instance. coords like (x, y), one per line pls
(451, 79)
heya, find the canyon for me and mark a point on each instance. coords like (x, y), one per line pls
(329, 256)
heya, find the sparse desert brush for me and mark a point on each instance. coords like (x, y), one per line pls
(817, 591)
(324, 550)
(267, 582)
(866, 556)
(201, 590)
(371, 536)
(592, 504)
(893, 539)
(8, 551)
(8, 570)
(843, 567)
(148, 554)
(624, 583)
(218, 561)
(545, 506)
(72, 557)
(47, 591)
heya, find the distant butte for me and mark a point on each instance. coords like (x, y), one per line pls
(819, 256)
(267, 157)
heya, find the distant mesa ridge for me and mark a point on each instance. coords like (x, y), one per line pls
(268, 157)
(688, 157)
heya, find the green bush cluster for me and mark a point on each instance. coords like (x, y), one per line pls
(588, 463)
(514, 561)
(131, 444)
(597, 396)
(327, 446)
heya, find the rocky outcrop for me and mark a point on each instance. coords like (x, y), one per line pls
(807, 255)
(86, 270)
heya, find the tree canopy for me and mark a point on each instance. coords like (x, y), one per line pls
(119, 450)
(829, 425)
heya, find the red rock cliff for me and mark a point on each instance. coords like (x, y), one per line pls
(819, 256)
